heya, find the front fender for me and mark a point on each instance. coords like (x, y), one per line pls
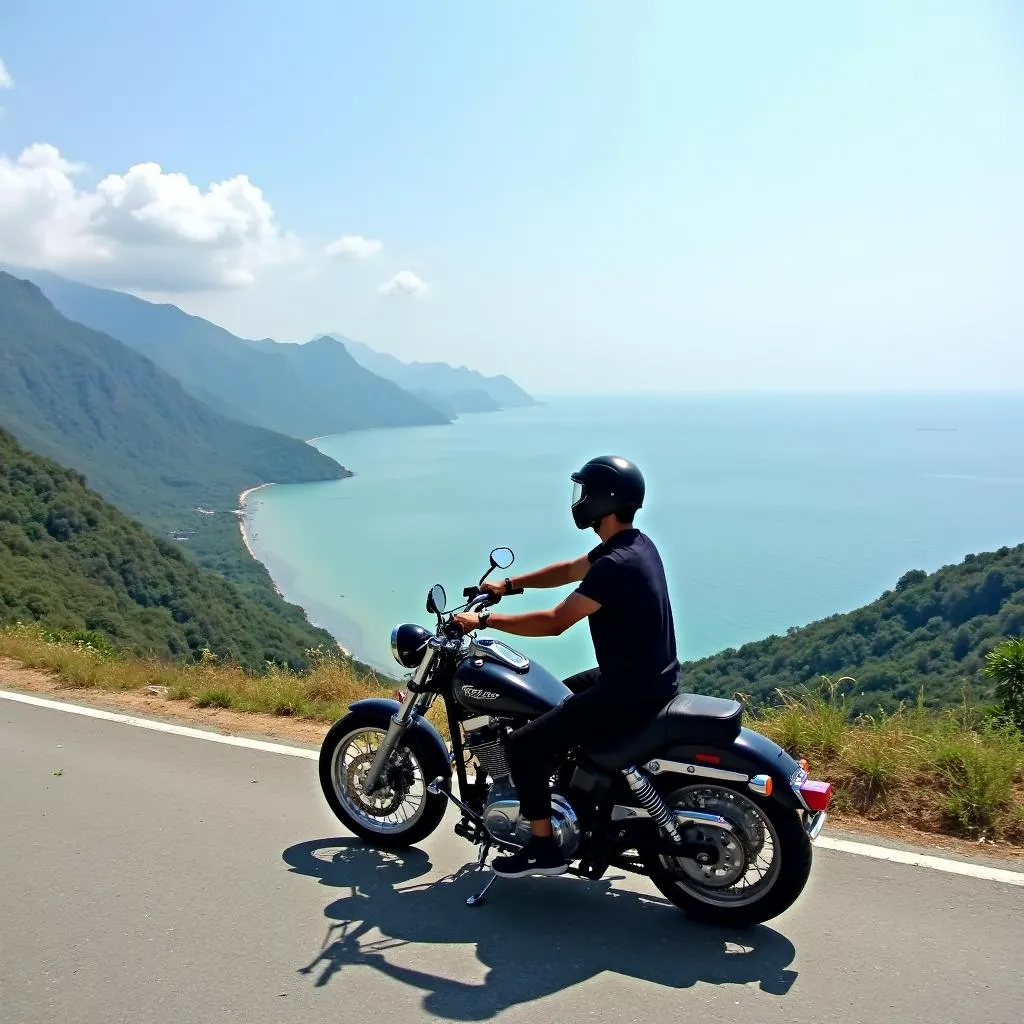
(386, 708)
(748, 755)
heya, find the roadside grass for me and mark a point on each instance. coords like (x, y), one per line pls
(959, 771)
(956, 772)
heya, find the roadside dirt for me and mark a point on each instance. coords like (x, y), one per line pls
(303, 732)
(13, 676)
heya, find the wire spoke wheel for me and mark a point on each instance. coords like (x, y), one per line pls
(749, 858)
(401, 794)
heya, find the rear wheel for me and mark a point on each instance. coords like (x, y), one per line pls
(762, 867)
(400, 812)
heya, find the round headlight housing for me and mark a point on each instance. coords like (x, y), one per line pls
(409, 644)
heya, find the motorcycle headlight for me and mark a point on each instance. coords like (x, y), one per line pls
(408, 644)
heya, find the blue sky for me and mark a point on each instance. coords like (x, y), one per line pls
(587, 195)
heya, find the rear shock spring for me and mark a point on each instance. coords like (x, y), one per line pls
(649, 798)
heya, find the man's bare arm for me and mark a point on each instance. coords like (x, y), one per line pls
(561, 574)
(553, 622)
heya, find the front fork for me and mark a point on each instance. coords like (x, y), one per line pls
(400, 721)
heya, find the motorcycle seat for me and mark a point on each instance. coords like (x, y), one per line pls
(687, 718)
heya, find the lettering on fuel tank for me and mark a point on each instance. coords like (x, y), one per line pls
(473, 692)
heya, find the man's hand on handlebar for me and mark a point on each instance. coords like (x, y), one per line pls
(467, 621)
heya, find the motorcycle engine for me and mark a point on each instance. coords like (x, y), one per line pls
(501, 808)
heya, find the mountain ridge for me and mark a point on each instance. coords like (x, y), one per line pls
(458, 387)
(88, 401)
(287, 388)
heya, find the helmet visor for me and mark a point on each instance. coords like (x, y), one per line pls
(577, 493)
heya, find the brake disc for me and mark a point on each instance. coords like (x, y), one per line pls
(391, 791)
(736, 849)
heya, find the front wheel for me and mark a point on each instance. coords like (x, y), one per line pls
(400, 812)
(762, 866)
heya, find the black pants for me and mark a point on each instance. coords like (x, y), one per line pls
(594, 715)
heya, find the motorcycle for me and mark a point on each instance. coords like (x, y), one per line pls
(720, 818)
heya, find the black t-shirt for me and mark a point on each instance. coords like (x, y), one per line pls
(633, 632)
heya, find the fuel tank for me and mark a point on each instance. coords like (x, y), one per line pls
(487, 682)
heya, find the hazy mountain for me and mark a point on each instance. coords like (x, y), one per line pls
(90, 402)
(70, 560)
(455, 387)
(460, 402)
(300, 390)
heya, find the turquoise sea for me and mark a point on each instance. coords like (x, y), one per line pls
(770, 512)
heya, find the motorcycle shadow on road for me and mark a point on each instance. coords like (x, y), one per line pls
(536, 936)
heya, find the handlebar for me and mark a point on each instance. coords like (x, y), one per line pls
(477, 598)
(474, 592)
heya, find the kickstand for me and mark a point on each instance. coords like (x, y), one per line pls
(479, 898)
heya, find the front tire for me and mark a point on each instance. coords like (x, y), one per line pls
(401, 812)
(748, 886)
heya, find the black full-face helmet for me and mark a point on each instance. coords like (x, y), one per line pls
(604, 486)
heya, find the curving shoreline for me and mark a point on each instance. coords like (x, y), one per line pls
(241, 516)
(240, 513)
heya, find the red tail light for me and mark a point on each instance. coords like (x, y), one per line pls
(816, 794)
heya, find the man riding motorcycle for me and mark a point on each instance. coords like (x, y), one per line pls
(623, 592)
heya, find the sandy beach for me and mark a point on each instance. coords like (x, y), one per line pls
(242, 498)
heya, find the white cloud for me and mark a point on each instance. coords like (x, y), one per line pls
(405, 282)
(354, 247)
(145, 228)
(6, 82)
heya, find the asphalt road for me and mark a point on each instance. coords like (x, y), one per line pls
(164, 879)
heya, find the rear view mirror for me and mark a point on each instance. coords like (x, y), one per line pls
(437, 600)
(502, 558)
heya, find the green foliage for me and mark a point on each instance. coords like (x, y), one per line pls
(99, 582)
(979, 769)
(931, 632)
(954, 770)
(1005, 665)
(322, 692)
(88, 401)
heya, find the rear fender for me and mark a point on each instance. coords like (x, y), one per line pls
(748, 755)
(386, 709)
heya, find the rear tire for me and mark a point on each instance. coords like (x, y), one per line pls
(416, 762)
(792, 848)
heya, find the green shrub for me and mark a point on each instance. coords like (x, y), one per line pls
(1005, 666)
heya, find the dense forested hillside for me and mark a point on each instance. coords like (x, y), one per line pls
(90, 402)
(931, 631)
(303, 391)
(72, 561)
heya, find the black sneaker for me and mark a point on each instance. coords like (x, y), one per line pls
(540, 856)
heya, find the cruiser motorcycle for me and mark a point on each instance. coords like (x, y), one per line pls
(719, 817)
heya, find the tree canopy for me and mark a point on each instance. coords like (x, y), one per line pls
(70, 560)
(931, 631)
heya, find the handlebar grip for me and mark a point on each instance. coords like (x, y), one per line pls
(471, 592)
(514, 591)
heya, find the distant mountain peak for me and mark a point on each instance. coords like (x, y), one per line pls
(299, 390)
(450, 388)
